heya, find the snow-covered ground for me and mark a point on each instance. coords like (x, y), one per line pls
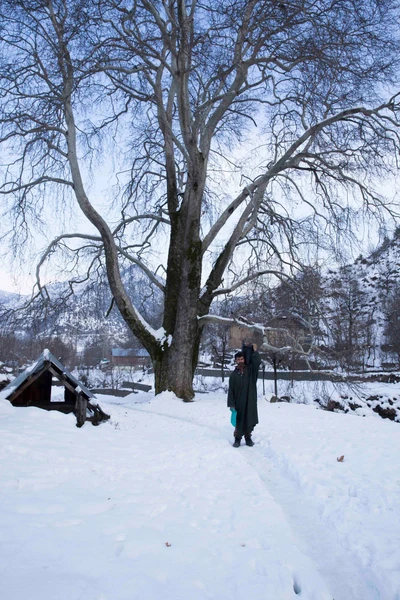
(156, 504)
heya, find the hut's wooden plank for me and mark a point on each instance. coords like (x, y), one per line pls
(63, 380)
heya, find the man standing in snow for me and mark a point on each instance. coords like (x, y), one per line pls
(242, 394)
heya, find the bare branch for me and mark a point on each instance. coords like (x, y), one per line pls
(222, 291)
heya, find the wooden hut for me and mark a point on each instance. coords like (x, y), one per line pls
(33, 387)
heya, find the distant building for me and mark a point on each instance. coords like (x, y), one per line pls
(130, 357)
(238, 333)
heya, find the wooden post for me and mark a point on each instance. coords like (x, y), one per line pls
(80, 409)
(274, 361)
(263, 370)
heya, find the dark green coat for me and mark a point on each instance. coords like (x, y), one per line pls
(242, 396)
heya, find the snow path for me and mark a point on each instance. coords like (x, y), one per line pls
(87, 514)
(352, 507)
(341, 569)
(348, 518)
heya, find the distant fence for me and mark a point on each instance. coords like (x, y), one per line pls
(132, 385)
(308, 375)
(283, 375)
(111, 392)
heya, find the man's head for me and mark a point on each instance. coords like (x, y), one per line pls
(239, 358)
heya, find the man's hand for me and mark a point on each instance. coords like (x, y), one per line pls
(255, 347)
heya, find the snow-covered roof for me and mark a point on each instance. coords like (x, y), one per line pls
(142, 352)
(37, 366)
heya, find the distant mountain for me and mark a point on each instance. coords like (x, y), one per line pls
(9, 298)
(85, 315)
(356, 305)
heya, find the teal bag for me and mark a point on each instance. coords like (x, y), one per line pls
(233, 417)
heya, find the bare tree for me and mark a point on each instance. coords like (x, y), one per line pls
(217, 337)
(349, 321)
(175, 86)
(392, 326)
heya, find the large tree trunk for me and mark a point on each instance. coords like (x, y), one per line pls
(175, 362)
(175, 367)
